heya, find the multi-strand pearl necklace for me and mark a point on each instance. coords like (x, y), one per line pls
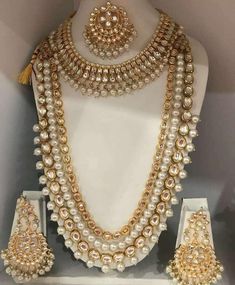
(81, 233)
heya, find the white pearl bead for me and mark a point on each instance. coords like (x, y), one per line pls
(80, 226)
(37, 151)
(36, 140)
(36, 128)
(77, 218)
(39, 165)
(73, 211)
(134, 260)
(64, 188)
(170, 144)
(162, 226)
(151, 206)
(122, 245)
(161, 175)
(166, 159)
(195, 119)
(154, 238)
(45, 191)
(174, 201)
(168, 152)
(68, 243)
(113, 247)
(60, 173)
(97, 243)
(145, 250)
(138, 227)
(61, 230)
(190, 147)
(120, 267)
(147, 214)
(91, 238)
(169, 213)
(164, 167)
(186, 160)
(50, 205)
(171, 136)
(178, 188)
(90, 263)
(71, 204)
(54, 217)
(159, 183)
(154, 198)
(193, 133)
(85, 232)
(105, 246)
(105, 268)
(67, 196)
(129, 240)
(77, 255)
(183, 174)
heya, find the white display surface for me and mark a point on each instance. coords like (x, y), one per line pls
(112, 140)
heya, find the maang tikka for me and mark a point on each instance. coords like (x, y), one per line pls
(28, 255)
(109, 31)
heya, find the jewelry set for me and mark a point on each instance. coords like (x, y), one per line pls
(108, 34)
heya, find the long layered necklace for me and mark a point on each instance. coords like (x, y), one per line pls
(57, 58)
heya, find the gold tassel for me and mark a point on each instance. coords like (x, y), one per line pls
(25, 75)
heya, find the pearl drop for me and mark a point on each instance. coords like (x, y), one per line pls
(37, 151)
(54, 217)
(145, 250)
(42, 179)
(162, 226)
(61, 230)
(90, 263)
(178, 188)
(68, 243)
(120, 267)
(169, 213)
(77, 255)
(105, 268)
(183, 174)
(50, 205)
(36, 128)
(36, 140)
(174, 201)
(134, 260)
(154, 238)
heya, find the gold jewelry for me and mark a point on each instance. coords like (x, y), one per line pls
(28, 255)
(116, 79)
(195, 261)
(109, 31)
(86, 239)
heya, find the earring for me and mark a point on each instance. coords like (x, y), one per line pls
(109, 32)
(27, 255)
(194, 261)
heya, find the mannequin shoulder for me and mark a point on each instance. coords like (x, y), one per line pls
(199, 54)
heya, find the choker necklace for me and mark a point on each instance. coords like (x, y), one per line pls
(117, 79)
(88, 241)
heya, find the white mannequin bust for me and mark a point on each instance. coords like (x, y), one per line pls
(112, 140)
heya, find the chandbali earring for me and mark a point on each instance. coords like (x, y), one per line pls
(194, 261)
(27, 256)
(109, 32)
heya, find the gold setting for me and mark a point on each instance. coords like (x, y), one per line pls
(195, 261)
(109, 32)
(28, 255)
